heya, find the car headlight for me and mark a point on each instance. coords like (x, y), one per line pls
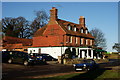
(74, 65)
(84, 65)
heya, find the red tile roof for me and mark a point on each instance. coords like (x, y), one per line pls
(15, 40)
(14, 46)
(63, 24)
(40, 31)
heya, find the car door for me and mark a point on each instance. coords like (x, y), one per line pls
(18, 57)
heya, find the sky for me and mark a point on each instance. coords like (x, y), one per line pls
(102, 15)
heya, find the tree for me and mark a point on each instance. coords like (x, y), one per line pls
(15, 27)
(69, 53)
(100, 40)
(40, 21)
(116, 47)
(23, 27)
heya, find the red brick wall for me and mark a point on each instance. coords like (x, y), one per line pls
(47, 41)
(52, 36)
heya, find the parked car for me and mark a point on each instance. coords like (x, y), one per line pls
(45, 57)
(5, 56)
(86, 65)
(19, 57)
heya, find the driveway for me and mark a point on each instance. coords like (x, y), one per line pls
(21, 72)
(18, 72)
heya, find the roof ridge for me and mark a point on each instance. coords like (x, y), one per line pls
(68, 21)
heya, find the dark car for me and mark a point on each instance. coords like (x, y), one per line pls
(45, 57)
(18, 57)
(86, 65)
(5, 56)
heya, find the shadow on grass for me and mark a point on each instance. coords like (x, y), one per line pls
(90, 75)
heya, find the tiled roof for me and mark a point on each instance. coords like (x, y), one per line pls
(15, 40)
(13, 46)
(63, 24)
(40, 31)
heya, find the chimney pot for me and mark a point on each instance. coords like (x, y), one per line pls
(53, 7)
(81, 16)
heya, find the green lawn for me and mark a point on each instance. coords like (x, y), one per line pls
(91, 75)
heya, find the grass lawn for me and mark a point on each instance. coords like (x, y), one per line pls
(91, 75)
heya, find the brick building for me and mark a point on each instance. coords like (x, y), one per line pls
(58, 35)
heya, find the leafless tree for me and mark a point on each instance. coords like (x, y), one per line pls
(15, 27)
(40, 20)
(116, 47)
(100, 40)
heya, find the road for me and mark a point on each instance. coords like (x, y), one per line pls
(19, 72)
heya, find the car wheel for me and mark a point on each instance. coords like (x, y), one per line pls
(25, 63)
(88, 69)
(52, 59)
(10, 61)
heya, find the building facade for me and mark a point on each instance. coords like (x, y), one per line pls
(59, 35)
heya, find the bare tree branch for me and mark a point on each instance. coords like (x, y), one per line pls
(100, 40)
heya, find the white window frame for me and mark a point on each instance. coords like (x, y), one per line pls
(69, 27)
(76, 40)
(86, 41)
(81, 30)
(81, 40)
(86, 31)
(70, 39)
(75, 29)
(91, 42)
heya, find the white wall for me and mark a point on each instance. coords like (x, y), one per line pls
(34, 50)
(53, 51)
(4, 50)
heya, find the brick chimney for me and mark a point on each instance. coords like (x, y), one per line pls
(53, 14)
(82, 21)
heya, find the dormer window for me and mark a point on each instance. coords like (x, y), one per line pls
(69, 27)
(75, 29)
(86, 31)
(81, 30)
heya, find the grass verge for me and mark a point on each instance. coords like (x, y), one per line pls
(99, 74)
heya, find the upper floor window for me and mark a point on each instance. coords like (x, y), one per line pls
(81, 40)
(86, 42)
(69, 27)
(71, 39)
(76, 40)
(75, 29)
(90, 42)
(81, 30)
(86, 31)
